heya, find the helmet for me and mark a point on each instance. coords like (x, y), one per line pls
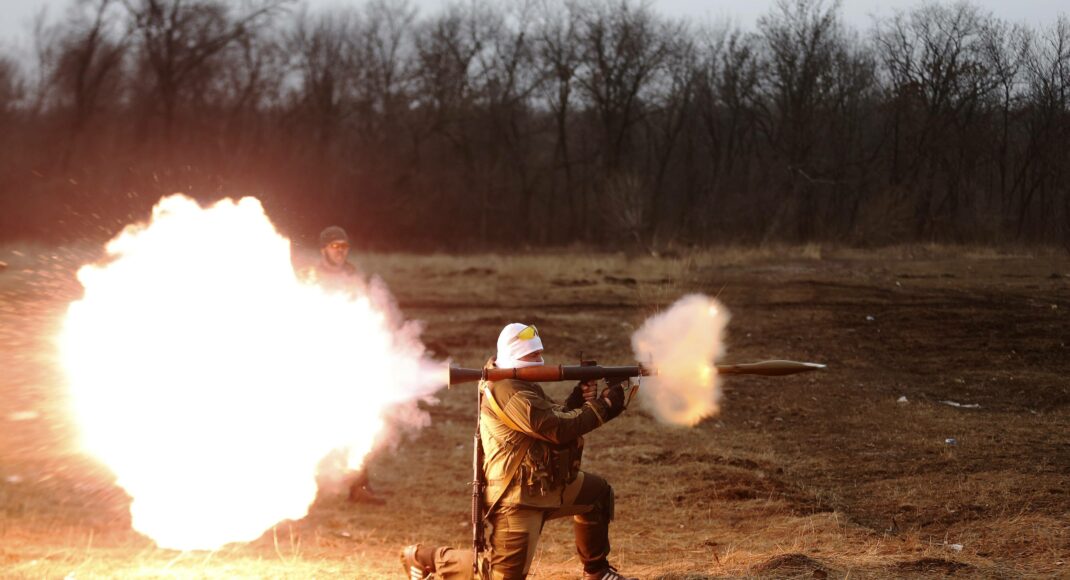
(333, 234)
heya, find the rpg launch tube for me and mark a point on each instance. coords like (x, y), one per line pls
(547, 373)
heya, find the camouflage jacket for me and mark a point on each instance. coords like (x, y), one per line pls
(539, 444)
(344, 279)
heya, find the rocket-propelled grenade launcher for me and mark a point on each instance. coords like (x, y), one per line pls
(584, 372)
(547, 373)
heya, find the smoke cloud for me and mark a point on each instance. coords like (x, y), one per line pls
(212, 380)
(682, 343)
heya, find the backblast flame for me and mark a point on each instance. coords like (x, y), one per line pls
(685, 338)
(212, 381)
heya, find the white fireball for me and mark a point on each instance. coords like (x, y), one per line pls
(211, 380)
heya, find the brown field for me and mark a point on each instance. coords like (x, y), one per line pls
(818, 475)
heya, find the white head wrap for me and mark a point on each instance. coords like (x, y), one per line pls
(511, 348)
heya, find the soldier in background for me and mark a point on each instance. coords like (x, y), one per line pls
(334, 272)
(532, 448)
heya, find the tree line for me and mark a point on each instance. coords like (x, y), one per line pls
(543, 122)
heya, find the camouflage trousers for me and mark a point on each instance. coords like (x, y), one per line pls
(513, 534)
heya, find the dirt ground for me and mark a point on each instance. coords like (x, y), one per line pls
(936, 443)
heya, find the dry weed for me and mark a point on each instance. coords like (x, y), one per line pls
(798, 476)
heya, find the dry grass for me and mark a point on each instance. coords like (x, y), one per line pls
(798, 475)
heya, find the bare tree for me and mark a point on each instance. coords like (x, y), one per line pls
(558, 54)
(88, 71)
(623, 45)
(1004, 48)
(672, 110)
(802, 38)
(256, 72)
(322, 54)
(447, 50)
(505, 79)
(564, 116)
(11, 90)
(727, 101)
(853, 134)
(177, 39)
(39, 81)
(383, 50)
(1042, 182)
(935, 65)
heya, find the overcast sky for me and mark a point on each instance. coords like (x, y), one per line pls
(16, 16)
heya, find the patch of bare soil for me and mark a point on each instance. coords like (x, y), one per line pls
(791, 565)
(934, 565)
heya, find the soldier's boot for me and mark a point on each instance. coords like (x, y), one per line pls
(414, 570)
(608, 573)
(364, 494)
(360, 489)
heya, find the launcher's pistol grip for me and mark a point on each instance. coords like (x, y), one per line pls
(630, 395)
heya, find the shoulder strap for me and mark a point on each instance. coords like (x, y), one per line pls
(517, 459)
(492, 402)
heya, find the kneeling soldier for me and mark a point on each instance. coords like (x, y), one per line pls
(532, 450)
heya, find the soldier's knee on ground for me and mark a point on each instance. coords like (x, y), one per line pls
(511, 556)
(597, 493)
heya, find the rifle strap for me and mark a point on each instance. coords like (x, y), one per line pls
(522, 450)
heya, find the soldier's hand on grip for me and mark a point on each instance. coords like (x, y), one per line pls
(590, 390)
(581, 393)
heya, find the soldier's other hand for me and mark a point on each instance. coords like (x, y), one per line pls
(613, 397)
(626, 385)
